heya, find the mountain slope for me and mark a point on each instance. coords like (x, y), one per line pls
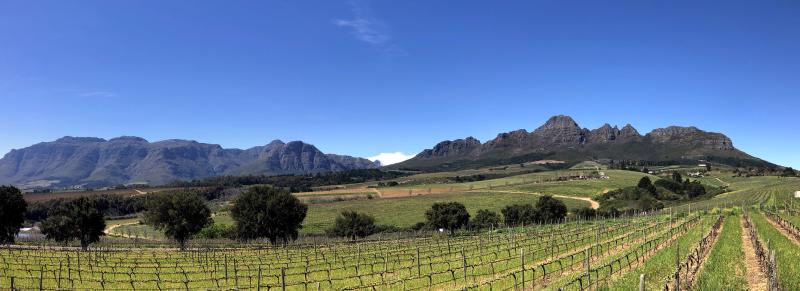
(97, 162)
(561, 138)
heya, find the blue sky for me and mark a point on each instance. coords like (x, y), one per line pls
(370, 77)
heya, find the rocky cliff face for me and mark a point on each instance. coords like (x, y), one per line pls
(691, 136)
(94, 161)
(450, 148)
(560, 137)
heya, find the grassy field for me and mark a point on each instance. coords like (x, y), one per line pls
(400, 212)
(404, 212)
(587, 188)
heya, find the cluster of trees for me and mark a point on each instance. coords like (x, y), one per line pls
(452, 216)
(546, 210)
(789, 172)
(648, 195)
(388, 184)
(295, 183)
(260, 212)
(682, 187)
(113, 205)
(470, 178)
(79, 219)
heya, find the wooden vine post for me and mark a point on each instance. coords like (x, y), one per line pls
(522, 263)
(641, 282)
(283, 279)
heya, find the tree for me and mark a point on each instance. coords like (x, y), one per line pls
(677, 177)
(485, 219)
(550, 210)
(645, 183)
(352, 224)
(12, 213)
(448, 215)
(788, 172)
(179, 214)
(695, 189)
(79, 219)
(266, 212)
(517, 214)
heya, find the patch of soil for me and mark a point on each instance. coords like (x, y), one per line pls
(756, 279)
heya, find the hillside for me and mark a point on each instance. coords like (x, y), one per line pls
(97, 162)
(561, 138)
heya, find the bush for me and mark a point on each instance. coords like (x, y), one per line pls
(448, 215)
(485, 219)
(671, 185)
(695, 189)
(550, 210)
(517, 214)
(352, 224)
(217, 231)
(266, 212)
(646, 184)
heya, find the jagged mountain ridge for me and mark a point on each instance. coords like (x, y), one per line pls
(91, 161)
(562, 138)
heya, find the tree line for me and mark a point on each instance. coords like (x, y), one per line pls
(295, 183)
(261, 212)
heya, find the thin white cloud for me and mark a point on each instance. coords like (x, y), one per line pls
(365, 27)
(98, 94)
(364, 30)
(390, 158)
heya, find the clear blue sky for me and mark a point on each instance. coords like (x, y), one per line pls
(369, 77)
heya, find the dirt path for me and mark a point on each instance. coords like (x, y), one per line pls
(110, 228)
(593, 203)
(783, 231)
(756, 279)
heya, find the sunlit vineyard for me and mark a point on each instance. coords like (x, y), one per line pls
(697, 245)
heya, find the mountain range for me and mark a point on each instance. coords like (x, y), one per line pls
(95, 162)
(561, 138)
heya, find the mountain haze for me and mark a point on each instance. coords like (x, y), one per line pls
(97, 162)
(561, 138)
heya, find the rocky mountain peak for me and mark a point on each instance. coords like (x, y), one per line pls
(604, 133)
(560, 129)
(558, 122)
(628, 131)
